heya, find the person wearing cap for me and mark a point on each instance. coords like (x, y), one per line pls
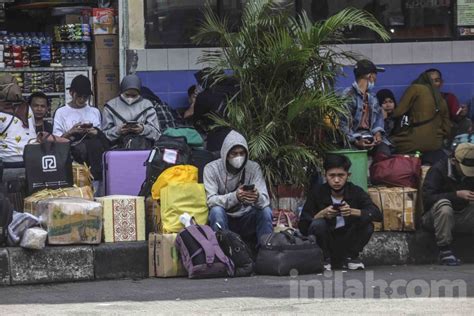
(424, 121)
(77, 118)
(448, 199)
(80, 123)
(130, 120)
(17, 127)
(364, 128)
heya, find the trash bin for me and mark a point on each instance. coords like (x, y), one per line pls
(359, 160)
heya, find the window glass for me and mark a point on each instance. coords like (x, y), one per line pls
(405, 19)
(173, 22)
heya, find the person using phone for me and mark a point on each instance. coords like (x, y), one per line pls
(129, 119)
(81, 123)
(69, 119)
(364, 127)
(237, 193)
(448, 199)
(340, 215)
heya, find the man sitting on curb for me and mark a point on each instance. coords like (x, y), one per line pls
(340, 215)
(236, 191)
(448, 196)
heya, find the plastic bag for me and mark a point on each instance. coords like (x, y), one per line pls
(34, 238)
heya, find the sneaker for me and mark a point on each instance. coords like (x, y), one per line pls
(447, 258)
(354, 264)
(327, 264)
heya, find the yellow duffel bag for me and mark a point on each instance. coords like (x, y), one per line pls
(180, 198)
(175, 174)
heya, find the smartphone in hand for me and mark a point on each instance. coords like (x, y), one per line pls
(85, 125)
(248, 187)
(131, 124)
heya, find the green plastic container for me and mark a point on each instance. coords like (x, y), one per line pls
(359, 160)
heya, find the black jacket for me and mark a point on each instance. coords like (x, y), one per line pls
(320, 197)
(441, 182)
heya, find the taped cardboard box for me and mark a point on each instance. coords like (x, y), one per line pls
(164, 258)
(71, 220)
(397, 206)
(152, 216)
(124, 217)
(31, 202)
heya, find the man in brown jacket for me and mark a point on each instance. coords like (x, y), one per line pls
(424, 121)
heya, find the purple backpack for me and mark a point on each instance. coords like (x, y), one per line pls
(200, 253)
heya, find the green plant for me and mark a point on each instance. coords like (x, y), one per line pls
(286, 107)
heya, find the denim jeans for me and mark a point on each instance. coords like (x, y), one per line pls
(255, 223)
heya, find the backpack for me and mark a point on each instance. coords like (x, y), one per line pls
(237, 250)
(132, 141)
(168, 151)
(6, 216)
(200, 253)
(193, 138)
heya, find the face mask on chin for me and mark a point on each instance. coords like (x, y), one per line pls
(371, 85)
(237, 162)
(129, 100)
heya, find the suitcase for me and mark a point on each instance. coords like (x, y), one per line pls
(124, 171)
(200, 158)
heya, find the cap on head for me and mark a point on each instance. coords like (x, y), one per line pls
(365, 67)
(9, 89)
(131, 82)
(464, 154)
(81, 85)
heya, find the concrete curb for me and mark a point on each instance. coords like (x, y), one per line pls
(52, 264)
(121, 260)
(130, 259)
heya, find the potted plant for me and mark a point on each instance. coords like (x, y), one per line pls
(286, 106)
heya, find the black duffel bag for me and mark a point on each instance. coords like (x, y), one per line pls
(288, 250)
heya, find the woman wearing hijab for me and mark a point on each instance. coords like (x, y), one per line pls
(424, 121)
(129, 120)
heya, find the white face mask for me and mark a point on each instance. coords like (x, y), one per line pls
(237, 162)
(371, 85)
(130, 100)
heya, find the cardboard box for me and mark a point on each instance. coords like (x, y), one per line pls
(74, 19)
(378, 227)
(152, 216)
(107, 83)
(124, 217)
(164, 258)
(105, 54)
(104, 21)
(397, 205)
(31, 202)
(71, 220)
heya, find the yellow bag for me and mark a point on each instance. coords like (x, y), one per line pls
(180, 198)
(176, 174)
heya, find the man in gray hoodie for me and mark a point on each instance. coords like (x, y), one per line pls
(130, 114)
(236, 191)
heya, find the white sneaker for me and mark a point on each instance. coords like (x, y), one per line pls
(355, 264)
(327, 264)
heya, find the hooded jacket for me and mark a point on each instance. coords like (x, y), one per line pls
(221, 184)
(111, 124)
